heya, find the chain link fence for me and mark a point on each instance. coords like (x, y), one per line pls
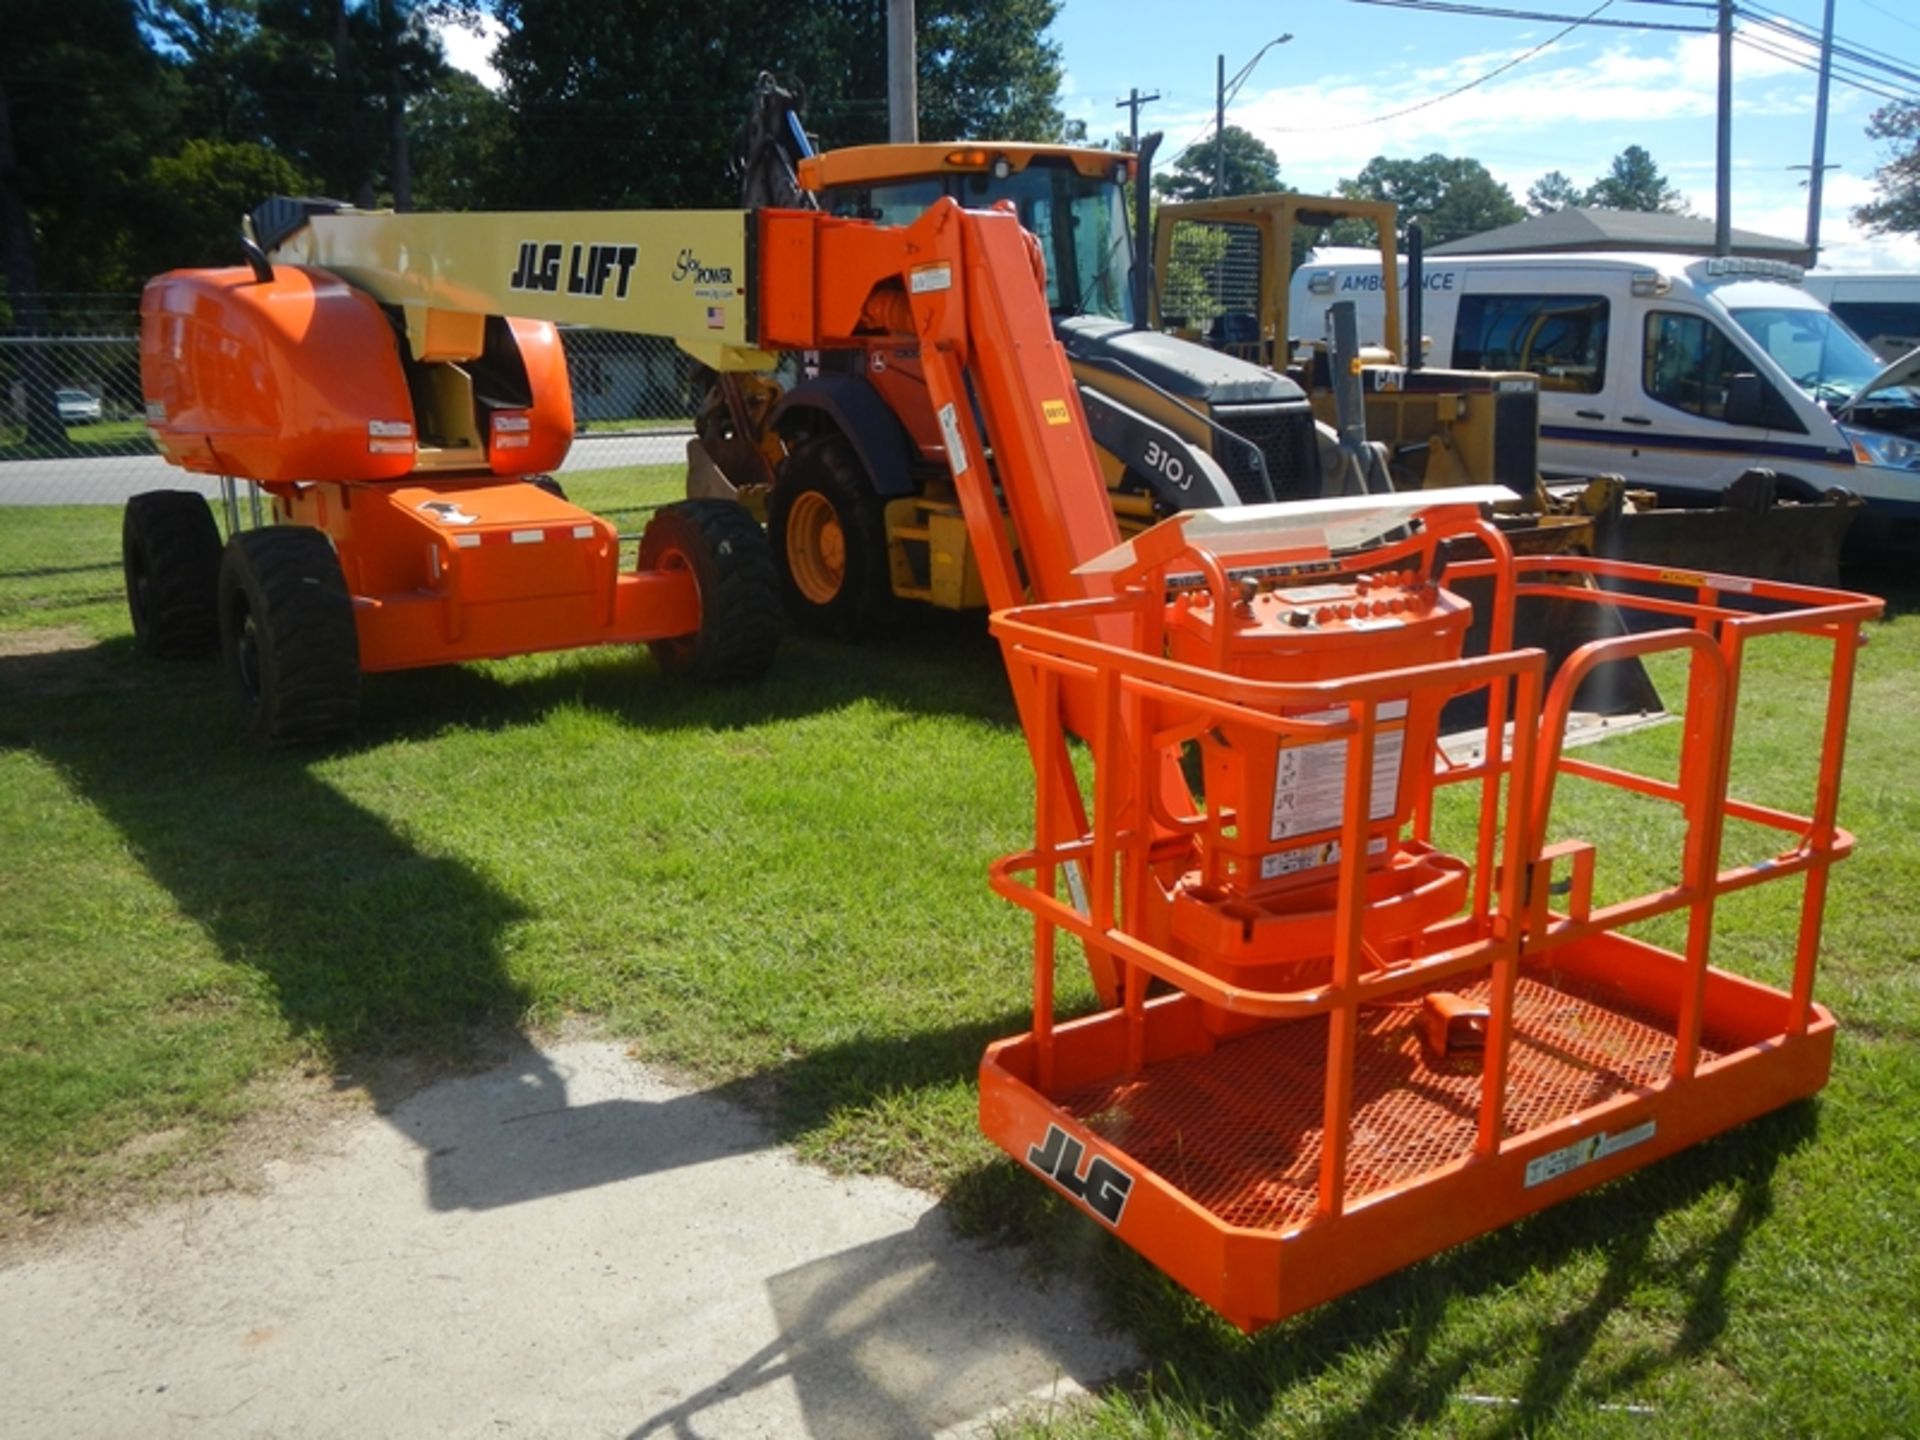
(72, 418)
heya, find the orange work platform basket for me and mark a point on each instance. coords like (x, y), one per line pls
(1336, 1045)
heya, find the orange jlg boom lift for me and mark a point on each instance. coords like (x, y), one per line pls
(1330, 1044)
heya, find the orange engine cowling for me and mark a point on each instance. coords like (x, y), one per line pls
(303, 377)
(1259, 907)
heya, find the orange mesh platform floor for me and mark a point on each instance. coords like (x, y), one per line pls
(1239, 1130)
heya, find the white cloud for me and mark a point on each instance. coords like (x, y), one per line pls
(473, 52)
(1571, 108)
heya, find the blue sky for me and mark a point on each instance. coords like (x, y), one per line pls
(1572, 107)
(1319, 99)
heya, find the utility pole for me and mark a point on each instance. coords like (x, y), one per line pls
(1223, 92)
(903, 95)
(1819, 168)
(1723, 150)
(1219, 125)
(1132, 105)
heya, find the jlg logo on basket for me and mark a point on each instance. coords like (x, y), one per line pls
(1103, 1189)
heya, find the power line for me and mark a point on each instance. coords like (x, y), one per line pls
(1455, 7)
(1498, 70)
(1859, 82)
(1787, 25)
(1890, 15)
(1843, 49)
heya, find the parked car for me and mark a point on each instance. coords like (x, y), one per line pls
(77, 407)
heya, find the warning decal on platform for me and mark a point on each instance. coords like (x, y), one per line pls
(1309, 781)
(1555, 1163)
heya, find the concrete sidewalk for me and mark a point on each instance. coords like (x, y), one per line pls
(564, 1246)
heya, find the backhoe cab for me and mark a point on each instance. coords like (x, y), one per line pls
(845, 457)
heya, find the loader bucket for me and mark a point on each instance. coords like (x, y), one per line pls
(1751, 532)
(1553, 624)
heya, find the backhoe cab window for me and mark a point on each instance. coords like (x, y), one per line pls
(1690, 363)
(1560, 338)
(1081, 224)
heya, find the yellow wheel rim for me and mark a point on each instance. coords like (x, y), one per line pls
(816, 548)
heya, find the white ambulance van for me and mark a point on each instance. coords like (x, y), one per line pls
(1883, 310)
(1675, 371)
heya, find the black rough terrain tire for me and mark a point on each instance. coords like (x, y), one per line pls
(286, 628)
(732, 566)
(548, 484)
(170, 554)
(829, 535)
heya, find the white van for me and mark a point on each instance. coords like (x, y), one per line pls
(1677, 372)
(1883, 310)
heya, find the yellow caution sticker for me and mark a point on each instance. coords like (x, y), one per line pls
(1734, 584)
(1056, 412)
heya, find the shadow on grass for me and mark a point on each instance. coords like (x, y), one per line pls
(369, 946)
(937, 663)
(372, 948)
(391, 961)
(1244, 1383)
(1889, 575)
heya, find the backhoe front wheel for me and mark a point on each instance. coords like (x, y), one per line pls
(829, 540)
(286, 627)
(170, 553)
(732, 566)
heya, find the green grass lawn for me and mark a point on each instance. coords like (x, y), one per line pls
(602, 427)
(103, 437)
(780, 890)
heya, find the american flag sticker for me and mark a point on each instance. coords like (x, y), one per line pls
(716, 317)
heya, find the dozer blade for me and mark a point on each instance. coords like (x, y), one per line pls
(1558, 627)
(1752, 532)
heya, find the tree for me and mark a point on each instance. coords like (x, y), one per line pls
(641, 105)
(331, 84)
(986, 71)
(1634, 182)
(197, 195)
(1251, 168)
(460, 132)
(1449, 197)
(1896, 209)
(1553, 191)
(80, 98)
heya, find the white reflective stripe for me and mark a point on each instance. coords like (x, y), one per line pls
(466, 541)
(583, 532)
(527, 537)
